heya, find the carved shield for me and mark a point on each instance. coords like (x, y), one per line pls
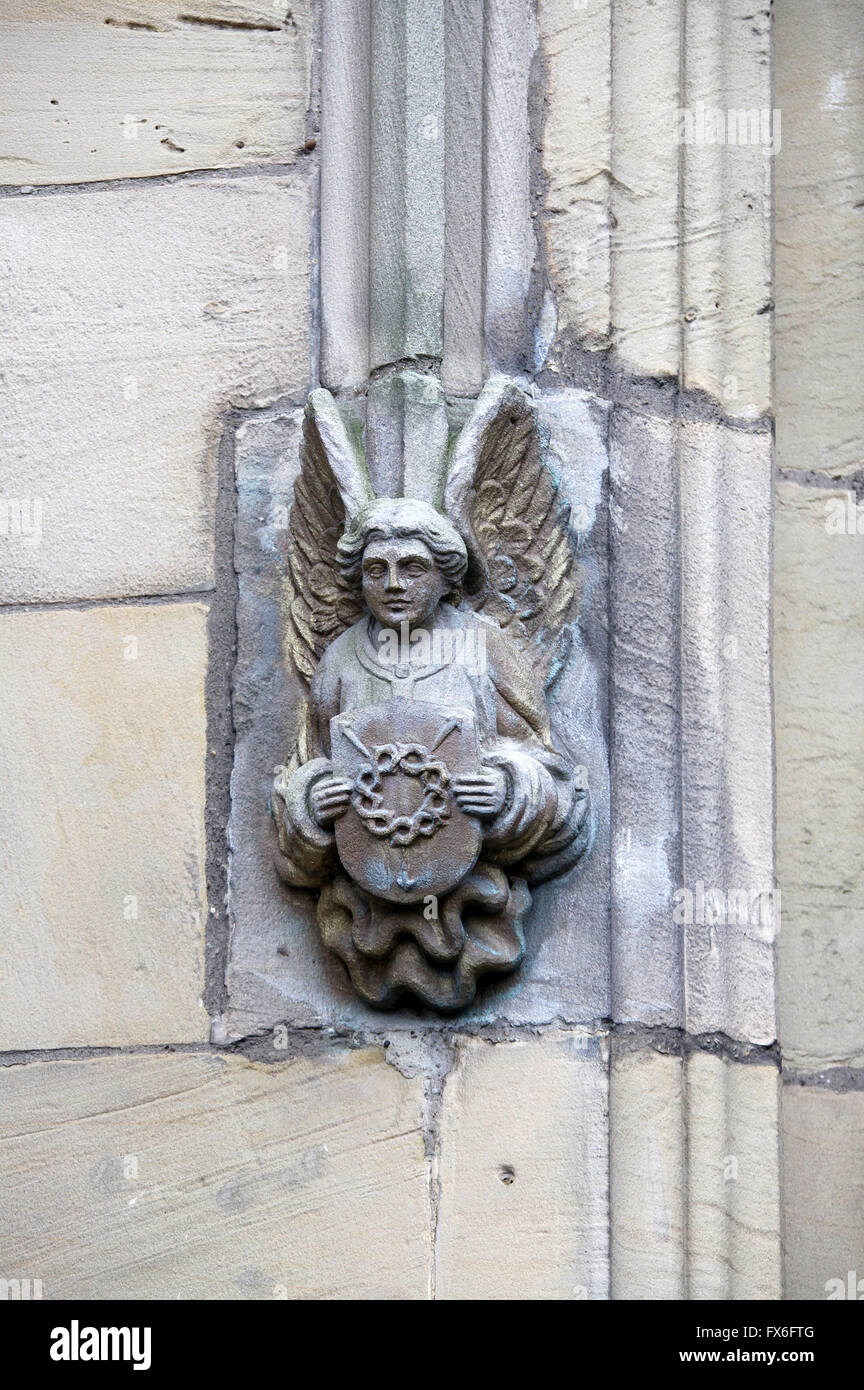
(403, 837)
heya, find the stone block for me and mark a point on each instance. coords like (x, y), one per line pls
(199, 1176)
(658, 236)
(728, 141)
(102, 844)
(823, 1193)
(644, 192)
(820, 236)
(136, 316)
(819, 690)
(95, 91)
(731, 1124)
(645, 769)
(726, 731)
(647, 1175)
(577, 139)
(694, 1176)
(522, 1170)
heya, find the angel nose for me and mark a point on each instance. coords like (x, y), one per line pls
(394, 580)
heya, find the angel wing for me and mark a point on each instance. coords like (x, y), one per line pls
(333, 485)
(504, 499)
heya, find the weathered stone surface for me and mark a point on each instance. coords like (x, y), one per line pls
(278, 968)
(102, 843)
(691, 731)
(522, 1170)
(427, 241)
(200, 1176)
(383, 184)
(819, 688)
(647, 1175)
(406, 436)
(823, 1193)
(726, 251)
(577, 141)
(733, 1180)
(694, 1177)
(97, 91)
(462, 365)
(135, 317)
(509, 241)
(726, 735)
(658, 238)
(406, 141)
(645, 769)
(820, 235)
(346, 77)
(644, 189)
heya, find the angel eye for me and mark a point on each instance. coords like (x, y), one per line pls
(374, 571)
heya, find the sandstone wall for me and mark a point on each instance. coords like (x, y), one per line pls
(166, 225)
(819, 637)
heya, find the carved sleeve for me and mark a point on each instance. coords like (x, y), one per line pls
(306, 857)
(545, 825)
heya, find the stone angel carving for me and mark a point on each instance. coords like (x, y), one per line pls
(425, 793)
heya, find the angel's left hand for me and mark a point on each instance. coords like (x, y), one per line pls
(483, 794)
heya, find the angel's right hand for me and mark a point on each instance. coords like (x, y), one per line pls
(330, 798)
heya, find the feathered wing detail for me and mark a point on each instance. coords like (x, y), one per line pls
(333, 485)
(505, 501)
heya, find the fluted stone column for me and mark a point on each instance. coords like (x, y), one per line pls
(427, 246)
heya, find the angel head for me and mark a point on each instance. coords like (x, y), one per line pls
(498, 533)
(405, 557)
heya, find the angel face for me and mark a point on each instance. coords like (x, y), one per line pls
(401, 581)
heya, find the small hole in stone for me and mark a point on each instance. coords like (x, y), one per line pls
(507, 1174)
(239, 144)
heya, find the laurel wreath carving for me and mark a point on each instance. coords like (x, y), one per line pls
(368, 801)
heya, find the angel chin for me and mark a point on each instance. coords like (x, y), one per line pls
(443, 646)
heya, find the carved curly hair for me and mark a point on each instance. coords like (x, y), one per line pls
(388, 517)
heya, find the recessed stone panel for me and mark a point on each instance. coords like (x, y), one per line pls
(279, 969)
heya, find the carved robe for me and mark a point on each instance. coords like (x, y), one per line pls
(544, 825)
